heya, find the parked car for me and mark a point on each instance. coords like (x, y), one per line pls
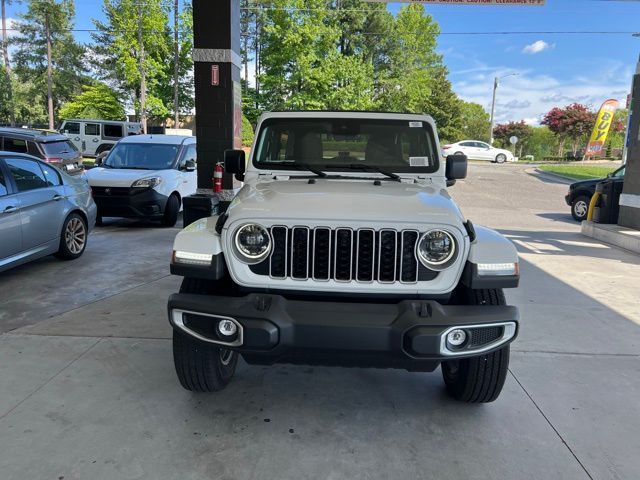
(344, 248)
(476, 150)
(50, 147)
(92, 137)
(580, 193)
(43, 211)
(145, 176)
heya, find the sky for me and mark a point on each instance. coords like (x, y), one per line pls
(553, 69)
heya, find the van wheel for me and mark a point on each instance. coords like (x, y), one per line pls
(73, 240)
(171, 211)
(478, 379)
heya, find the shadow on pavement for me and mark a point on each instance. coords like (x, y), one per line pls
(558, 217)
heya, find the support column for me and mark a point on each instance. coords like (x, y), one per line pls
(216, 55)
(630, 198)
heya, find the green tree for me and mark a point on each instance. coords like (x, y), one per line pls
(302, 65)
(96, 101)
(165, 89)
(541, 143)
(247, 132)
(21, 102)
(53, 20)
(476, 122)
(118, 53)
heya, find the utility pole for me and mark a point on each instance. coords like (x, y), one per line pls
(176, 70)
(143, 74)
(47, 23)
(496, 82)
(493, 109)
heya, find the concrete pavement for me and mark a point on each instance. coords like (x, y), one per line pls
(87, 388)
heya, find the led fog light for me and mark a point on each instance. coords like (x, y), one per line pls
(456, 337)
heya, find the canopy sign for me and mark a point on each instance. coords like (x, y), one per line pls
(467, 2)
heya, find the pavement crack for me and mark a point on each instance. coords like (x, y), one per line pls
(551, 425)
(71, 362)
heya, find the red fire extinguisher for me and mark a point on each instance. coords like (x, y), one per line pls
(217, 178)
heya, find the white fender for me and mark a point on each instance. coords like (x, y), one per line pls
(199, 237)
(491, 247)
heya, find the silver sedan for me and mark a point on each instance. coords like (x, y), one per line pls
(43, 211)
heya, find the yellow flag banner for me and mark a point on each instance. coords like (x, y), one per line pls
(601, 128)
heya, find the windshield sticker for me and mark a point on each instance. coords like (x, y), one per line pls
(419, 161)
(415, 124)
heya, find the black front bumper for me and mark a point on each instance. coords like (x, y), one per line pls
(129, 202)
(274, 329)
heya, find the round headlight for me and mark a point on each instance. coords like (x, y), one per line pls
(436, 248)
(253, 242)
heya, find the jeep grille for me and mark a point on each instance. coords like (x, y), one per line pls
(344, 255)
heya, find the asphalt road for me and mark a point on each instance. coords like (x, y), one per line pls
(88, 391)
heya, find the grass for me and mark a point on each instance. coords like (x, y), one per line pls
(579, 172)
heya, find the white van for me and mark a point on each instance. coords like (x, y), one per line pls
(145, 176)
(92, 137)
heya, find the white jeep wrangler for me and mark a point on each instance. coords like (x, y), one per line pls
(344, 248)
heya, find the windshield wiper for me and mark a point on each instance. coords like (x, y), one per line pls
(301, 166)
(373, 168)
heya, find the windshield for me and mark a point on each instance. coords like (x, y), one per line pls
(58, 148)
(347, 144)
(144, 156)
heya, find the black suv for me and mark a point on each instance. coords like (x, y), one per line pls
(51, 147)
(580, 193)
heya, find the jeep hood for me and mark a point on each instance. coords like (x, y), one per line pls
(117, 177)
(345, 201)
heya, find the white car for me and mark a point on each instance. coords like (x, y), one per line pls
(145, 176)
(344, 247)
(476, 150)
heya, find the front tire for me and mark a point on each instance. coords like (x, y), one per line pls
(171, 211)
(478, 379)
(73, 240)
(200, 366)
(501, 158)
(580, 208)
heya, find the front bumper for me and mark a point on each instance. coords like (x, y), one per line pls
(568, 198)
(410, 334)
(129, 202)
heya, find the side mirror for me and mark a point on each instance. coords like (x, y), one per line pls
(190, 166)
(235, 162)
(100, 158)
(456, 167)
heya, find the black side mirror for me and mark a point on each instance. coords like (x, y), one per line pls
(100, 158)
(235, 162)
(190, 166)
(456, 167)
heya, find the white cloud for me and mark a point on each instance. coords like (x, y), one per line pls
(537, 47)
(530, 95)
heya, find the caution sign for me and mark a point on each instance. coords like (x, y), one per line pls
(467, 2)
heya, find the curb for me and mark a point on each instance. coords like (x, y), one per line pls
(551, 176)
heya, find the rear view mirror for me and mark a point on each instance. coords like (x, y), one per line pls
(190, 166)
(235, 162)
(456, 167)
